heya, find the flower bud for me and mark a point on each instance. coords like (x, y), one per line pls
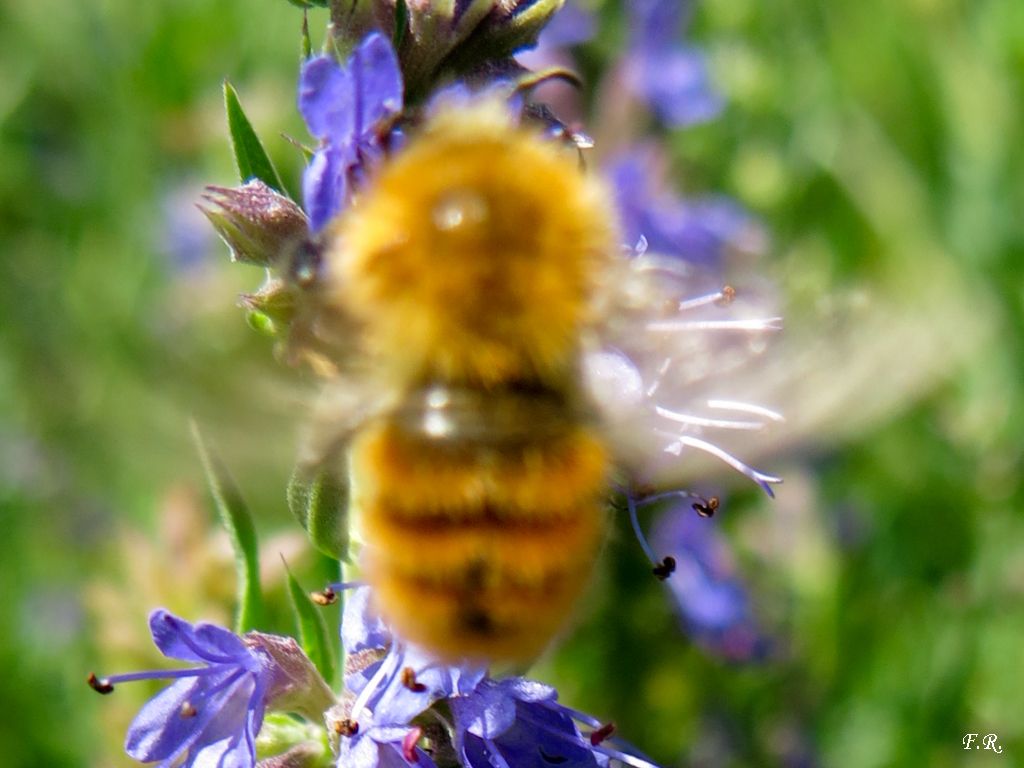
(509, 26)
(257, 223)
(273, 304)
(437, 38)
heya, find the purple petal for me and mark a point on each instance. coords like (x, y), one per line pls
(699, 231)
(675, 84)
(671, 78)
(390, 756)
(179, 639)
(376, 82)
(529, 690)
(655, 24)
(544, 736)
(540, 736)
(219, 643)
(229, 735)
(361, 627)
(229, 752)
(487, 713)
(325, 184)
(712, 599)
(380, 747)
(572, 25)
(160, 732)
(326, 99)
(360, 752)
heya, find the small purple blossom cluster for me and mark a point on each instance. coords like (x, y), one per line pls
(400, 708)
(213, 712)
(399, 697)
(350, 109)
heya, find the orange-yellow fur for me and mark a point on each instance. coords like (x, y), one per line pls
(469, 264)
(466, 542)
(472, 256)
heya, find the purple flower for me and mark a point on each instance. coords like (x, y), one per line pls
(571, 25)
(211, 714)
(509, 723)
(393, 680)
(671, 78)
(393, 683)
(700, 230)
(712, 599)
(349, 109)
(392, 688)
(384, 747)
(518, 723)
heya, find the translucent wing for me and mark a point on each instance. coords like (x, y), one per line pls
(668, 368)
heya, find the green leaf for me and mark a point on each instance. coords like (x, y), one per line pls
(305, 44)
(401, 23)
(234, 514)
(313, 635)
(250, 156)
(319, 502)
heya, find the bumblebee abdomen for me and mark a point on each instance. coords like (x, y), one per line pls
(477, 549)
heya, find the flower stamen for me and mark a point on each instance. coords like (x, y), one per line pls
(680, 441)
(346, 727)
(602, 733)
(329, 594)
(409, 680)
(409, 743)
(325, 597)
(100, 685)
(721, 298)
(706, 508)
(634, 520)
(665, 568)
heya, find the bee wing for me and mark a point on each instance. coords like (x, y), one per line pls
(668, 370)
(344, 405)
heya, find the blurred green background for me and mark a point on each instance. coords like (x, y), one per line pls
(880, 142)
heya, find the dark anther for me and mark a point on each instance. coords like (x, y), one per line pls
(602, 733)
(728, 294)
(665, 568)
(409, 681)
(100, 686)
(346, 727)
(409, 744)
(327, 597)
(187, 710)
(706, 508)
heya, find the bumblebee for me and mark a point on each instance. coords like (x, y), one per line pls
(482, 409)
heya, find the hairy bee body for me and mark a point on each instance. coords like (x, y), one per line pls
(469, 269)
(482, 535)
